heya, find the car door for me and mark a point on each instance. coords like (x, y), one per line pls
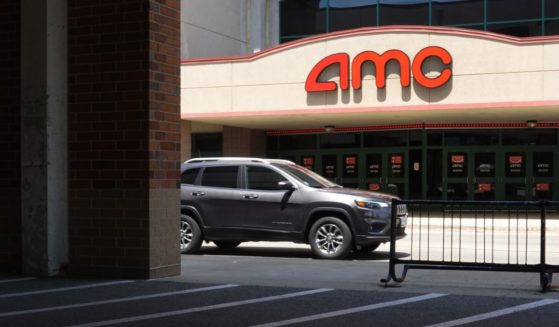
(269, 209)
(218, 196)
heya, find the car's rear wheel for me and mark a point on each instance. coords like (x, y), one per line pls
(369, 247)
(227, 244)
(191, 235)
(330, 238)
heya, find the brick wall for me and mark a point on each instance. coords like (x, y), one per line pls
(124, 136)
(10, 173)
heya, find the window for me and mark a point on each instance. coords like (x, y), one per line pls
(525, 137)
(297, 142)
(521, 29)
(386, 139)
(348, 14)
(340, 140)
(521, 9)
(457, 12)
(223, 176)
(472, 137)
(397, 12)
(189, 176)
(262, 178)
(302, 17)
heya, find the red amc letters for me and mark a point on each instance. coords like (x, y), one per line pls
(380, 61)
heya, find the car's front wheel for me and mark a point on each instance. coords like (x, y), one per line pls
(330, 238)
(191, 235)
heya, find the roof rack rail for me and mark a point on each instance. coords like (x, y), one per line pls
(209, 159)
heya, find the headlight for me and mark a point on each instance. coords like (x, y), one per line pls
(371, 204)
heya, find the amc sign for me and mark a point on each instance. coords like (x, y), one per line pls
(380, 61)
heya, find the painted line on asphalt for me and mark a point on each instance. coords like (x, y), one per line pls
(124, 299)
(62, 289)
(494, 314)
(16, 280)
(204, 308)
(370, 307)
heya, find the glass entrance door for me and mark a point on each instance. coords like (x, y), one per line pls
(387, 172)
(470, 175)
(529, 175)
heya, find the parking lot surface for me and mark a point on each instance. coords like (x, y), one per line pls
(259, 286)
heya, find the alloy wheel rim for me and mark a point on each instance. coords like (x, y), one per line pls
(186, 234)
(329, 239)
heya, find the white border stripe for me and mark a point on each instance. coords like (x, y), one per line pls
(494, 314)
(16, 280)
(124, 299)
(62, 289)
(204, 308)
(352, 310)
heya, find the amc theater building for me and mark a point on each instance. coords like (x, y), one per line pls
(424, 99)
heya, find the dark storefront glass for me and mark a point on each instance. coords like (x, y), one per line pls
(330, 166)
(374, 165)
(340, 140)
(207, 145)
(472, 137)
(385, 139)
(515, 192)
(302, 17)
(527, 137)
(513, 10)
(297, 142)
(456, 12)
(272, 143)
(457, 165)
(543, 191)
(543, 164)
(396, 165)
(350, 166)
(348, 14)
(396, 12)
(434, 174)
(552, 27)
(515, 164)
(484, 164)
(457, 191)
(416, 138)
(484, 192)
(521, 29)
(434, 138)
(551, 8)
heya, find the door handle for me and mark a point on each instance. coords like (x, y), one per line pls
(198, 193)
(250, 196)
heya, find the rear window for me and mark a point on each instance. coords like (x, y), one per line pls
(222, 176)
(189, 176)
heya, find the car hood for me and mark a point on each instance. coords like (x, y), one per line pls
(361, 193)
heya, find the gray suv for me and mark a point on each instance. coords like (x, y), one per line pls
(233, 200)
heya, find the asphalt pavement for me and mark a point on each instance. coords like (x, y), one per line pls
(263, 284)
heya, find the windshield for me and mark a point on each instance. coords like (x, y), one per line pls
(306, 176)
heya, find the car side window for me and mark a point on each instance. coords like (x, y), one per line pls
(262, 178)
(221, 176)
(189, 176)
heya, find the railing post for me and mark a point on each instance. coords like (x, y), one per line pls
(545, 278)
(392, 255)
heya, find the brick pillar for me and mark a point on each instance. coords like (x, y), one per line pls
(243, 142)
(10, 169)
(124, 137)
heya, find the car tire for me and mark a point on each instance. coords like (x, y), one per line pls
(227, 245)
(369, 248)
(190, 235)
(330, 238)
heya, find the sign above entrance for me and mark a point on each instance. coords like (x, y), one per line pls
(380, 61)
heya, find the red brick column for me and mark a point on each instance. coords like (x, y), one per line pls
(10, 171)
(124, 137)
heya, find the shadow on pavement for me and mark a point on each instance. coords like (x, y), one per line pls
(287, 252)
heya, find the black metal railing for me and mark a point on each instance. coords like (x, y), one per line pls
(472, 235)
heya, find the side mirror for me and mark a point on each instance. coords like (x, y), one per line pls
(286, 185)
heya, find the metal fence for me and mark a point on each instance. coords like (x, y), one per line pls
(472, 235)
